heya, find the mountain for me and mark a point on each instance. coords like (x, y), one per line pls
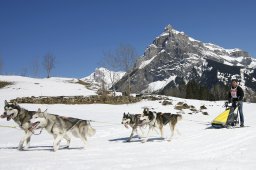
(176, 64)
(102, 76)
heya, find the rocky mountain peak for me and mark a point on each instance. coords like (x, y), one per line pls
(174, 59)
(168, 28)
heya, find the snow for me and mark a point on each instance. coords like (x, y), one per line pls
(177, 32)
(157, 85)
(95, 78)
(146, 62)
(213, 47)
(197, 147)
(224, 55)
(253, 63)
(227, 63)
(164, 34)
(192, 39)
(24, 86)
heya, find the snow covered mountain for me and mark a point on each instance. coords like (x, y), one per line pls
(103, 76)
(174, 60)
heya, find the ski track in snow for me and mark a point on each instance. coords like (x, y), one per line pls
(197, 147)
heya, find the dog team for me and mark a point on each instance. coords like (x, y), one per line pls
(65, 127)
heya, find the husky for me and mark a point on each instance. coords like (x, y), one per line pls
(22, 117)
(62, 127)
(133, 121)
(159, 120)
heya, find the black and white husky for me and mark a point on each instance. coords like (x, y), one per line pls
(133, 121)
(159, 120)
(62, 127)
(22, 117)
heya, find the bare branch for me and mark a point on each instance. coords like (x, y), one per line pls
(122, 58)
(49, 63)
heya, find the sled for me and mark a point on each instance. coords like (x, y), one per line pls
(228, 117)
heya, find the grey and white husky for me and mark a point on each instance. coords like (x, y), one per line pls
(159, 120)
(133, 120)
(62, 127)
(22, 117)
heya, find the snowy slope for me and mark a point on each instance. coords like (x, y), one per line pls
(25, 86)
(197, 147)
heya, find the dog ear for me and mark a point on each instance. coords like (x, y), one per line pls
(45, 113)
(147, 110)
(5, 102)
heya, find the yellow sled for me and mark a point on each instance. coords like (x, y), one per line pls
(222, 119)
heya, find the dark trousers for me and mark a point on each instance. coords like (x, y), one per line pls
(240, 109)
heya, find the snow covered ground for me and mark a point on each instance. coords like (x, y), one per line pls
(54, 86)
(197, 147)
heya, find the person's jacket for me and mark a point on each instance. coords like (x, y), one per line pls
(239, 94)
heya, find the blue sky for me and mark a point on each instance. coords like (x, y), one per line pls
(77, 32)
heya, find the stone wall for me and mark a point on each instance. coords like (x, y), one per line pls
(78, 99)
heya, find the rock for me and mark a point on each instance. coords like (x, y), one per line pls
(166, 102)
(193, 109)
(205, 113)
(181, 105)
(203, 107)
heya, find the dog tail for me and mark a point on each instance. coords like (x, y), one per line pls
(90, 131)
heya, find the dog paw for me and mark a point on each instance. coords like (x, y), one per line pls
(66, 147)
(25, 148)
(55, 149)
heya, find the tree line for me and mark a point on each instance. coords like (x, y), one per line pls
(48, 63)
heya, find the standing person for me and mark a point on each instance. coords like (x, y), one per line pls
(236, 94)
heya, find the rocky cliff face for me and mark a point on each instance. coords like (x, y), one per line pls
(174, 59)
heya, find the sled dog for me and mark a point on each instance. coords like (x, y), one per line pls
(159, 120)
(62, 127)
(133, 120)
(22, 117)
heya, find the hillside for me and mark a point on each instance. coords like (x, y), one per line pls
(55, 86)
